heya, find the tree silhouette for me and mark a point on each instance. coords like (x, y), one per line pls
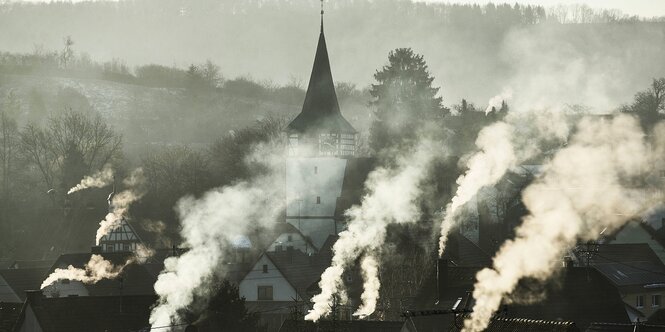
(404, 99)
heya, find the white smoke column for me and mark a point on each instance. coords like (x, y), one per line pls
(588, 186)
(371, 286)
(95, 270)
(487, 166)
(120, 204)
(209, 224)
(391, 199)
(100, 179)
(496, 101)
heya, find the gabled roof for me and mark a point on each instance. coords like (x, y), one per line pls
(629, 264)
(20, 280)
(320, 111)
(299, 269)
(91, 313)
(497, 324)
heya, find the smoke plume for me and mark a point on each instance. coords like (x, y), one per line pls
(121, 202)
(371, 286)
(597, 181)
(496, 101)
(97, 268)
(209, 224)
(100, 179)
(392, 197)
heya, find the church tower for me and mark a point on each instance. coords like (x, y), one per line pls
(320, 144)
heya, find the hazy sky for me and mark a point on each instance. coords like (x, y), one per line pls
(647, 8)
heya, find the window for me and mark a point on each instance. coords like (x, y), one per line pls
(639, 301)
(279, 247)
(265, 268)
(109, 248)
(265, 293)
(655, 300)
(127, 247)
(316, 169)
(289, 238)
(318, 199)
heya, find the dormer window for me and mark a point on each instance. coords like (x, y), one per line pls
(265, 268)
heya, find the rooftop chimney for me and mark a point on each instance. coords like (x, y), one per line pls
(96, 249)
(34, 297)
(441, 277)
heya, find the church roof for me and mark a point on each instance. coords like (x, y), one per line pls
(320, 111)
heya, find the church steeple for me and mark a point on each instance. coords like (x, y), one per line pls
(320, 110)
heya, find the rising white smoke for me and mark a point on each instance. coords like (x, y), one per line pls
(392, 198)
(590, 185)
(209, 224)
(96, 269)
(100, 179)
(495, 156)
(502, 146)
(496, 101)
(120, 204)
(370, 271)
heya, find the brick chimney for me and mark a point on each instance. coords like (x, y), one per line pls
(34, 297)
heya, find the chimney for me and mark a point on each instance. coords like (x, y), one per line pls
(441, 277)
(34, 297)
(568, 262)
(96, 249)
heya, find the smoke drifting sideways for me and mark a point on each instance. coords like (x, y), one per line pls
(600, 180)
(392, 198)
(100, 179)
(96, 269)
(209, 224)
(121, 202)
(501, 146)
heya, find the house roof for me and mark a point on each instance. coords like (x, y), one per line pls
(280, 228)
(350, 326)
(20, 280)
(90, 313)
(579, 295)
(497, 324)
(299, 269)
(628, 264)
(627, 327)
(320, 110)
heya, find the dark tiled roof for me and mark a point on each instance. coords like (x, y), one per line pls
(349, 326)
(320, 111)
(579, 295)
(9, 313)
(21, 280)
(614, 327)
(629, 264)
(299, 269)
(92, 313)
(31, 264)
(451, 323)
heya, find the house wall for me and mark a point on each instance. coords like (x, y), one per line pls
(307, 179)
(648, 308)
(634, 233)
(281, 289)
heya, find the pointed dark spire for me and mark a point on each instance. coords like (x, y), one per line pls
(320, 111)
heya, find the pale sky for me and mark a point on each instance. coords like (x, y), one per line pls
(646, 8)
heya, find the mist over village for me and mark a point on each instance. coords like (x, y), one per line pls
(332, 165)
